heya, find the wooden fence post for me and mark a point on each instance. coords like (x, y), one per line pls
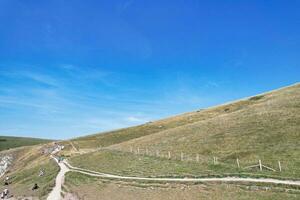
(197, 157)
(138, 150)
(238, 163)
(260, 165)
(181, 156)
(279, 165)
(169, 155)
(215, 160)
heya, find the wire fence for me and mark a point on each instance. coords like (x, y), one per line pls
(255, 163)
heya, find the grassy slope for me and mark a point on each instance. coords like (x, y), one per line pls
(265, 127)
(127, 134)
(93, 188)
(25, 169)
(7, 142)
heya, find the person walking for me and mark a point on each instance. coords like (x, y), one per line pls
(2, 195)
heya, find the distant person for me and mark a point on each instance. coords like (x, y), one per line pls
(35, 187)
(6, 180)
(6, 192)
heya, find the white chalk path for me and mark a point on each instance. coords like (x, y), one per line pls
(224, 179)
(55, 194)
(65, 167)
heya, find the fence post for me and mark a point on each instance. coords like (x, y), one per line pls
(197, 157)
(260, 166)
(181, 156)
(169, 155)
(279, 165)
(238, 163)
(215, 160)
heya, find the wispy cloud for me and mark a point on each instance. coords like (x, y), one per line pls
(75, 102)
(134, 119)
(33, 76)
(89, 74)
(212, 84)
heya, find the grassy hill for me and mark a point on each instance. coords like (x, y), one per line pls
(24, 171)
(264, 127)
(26, 162)
(85, 187)
(8, 142)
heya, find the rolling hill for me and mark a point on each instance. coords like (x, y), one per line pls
(9, 142)
(202, 143)
(265, 127)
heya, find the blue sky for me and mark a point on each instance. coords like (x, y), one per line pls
(70, 68)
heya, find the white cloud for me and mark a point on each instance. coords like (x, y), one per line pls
(135, 119)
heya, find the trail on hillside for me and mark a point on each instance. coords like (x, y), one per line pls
(65, 167)
(182, 180)
(55, 194)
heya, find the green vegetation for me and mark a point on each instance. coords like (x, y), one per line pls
(256, 98)
(93, 188)
(24, 172)
(23, 180)
(265, 127)
(7, 142)
(128, 164)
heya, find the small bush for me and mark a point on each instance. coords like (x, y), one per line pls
(226, 109)
(256, 98)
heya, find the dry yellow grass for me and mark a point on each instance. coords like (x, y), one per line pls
(85, 187)
(265, 127)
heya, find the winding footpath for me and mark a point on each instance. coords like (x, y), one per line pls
(55, 194)
(224, 179)
(65, 167)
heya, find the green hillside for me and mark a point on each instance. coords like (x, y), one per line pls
(265, 127)
(8, 142)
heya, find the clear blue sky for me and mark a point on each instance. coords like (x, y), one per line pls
(70, 68)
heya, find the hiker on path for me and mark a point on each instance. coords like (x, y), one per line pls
(6, 181)
(6, 192)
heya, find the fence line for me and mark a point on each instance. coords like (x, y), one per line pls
(186, 157)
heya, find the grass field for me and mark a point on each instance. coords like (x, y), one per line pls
(265, 127)
(124, 163)
(8, 142)
(86, 187)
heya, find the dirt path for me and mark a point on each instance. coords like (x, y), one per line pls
(65, 167)
(55, 194)
(182, 180)
(74, 148)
